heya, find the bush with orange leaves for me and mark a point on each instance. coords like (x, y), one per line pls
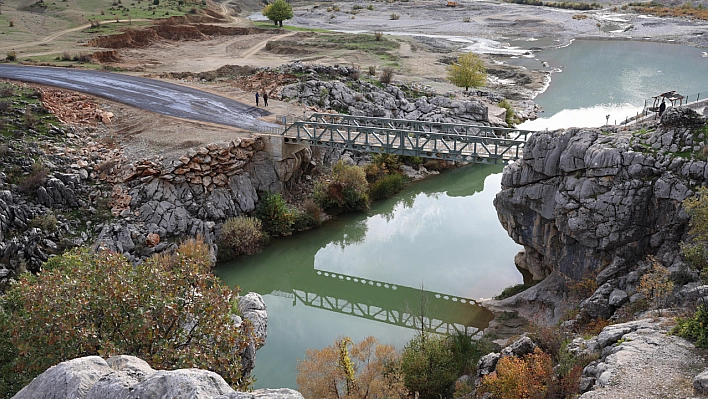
(367, 371)
(520, 378)
(532, 377)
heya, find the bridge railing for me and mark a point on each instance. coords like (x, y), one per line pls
(484, 148)
(417, 126)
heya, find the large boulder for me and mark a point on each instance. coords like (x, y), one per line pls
(127, 377)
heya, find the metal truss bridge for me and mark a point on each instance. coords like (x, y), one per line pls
(446, 141)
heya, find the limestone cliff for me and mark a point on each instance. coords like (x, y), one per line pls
(598, 200)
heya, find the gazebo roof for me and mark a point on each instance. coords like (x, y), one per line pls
(670, 95)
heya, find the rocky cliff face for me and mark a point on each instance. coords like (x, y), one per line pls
(195, 194)
(583, 201)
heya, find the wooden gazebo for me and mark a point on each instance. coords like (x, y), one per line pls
(672, 96)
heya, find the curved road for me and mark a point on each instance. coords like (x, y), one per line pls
(148, 94)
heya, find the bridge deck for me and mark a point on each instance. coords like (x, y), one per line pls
(455, 142)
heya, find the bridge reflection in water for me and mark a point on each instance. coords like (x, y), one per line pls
(390, 303)
(361, 274)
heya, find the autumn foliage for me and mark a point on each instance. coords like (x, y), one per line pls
(169, 310)
(520, 378)
(352, 371)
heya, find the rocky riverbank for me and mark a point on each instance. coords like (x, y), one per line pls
(600, 209)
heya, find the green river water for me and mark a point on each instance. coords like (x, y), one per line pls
(362, 274)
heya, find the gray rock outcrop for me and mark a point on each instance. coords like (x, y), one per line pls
(636, 358)
(195, 195)
(129, 377)
(584, 200)
(360, 98)
(252, 308)
(700, 384)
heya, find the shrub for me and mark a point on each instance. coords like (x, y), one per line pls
(276, 215)
(372, 71)
(310, 217)
(509, 111)
(655, 285)
(584, 288)
(83, 58)
(365, 371)
(370, 7)
(515, 289)
(387, 186)
(5, 106)
(36, 179)
(694, 328)
(241, 235)
(169, 310)
(47, 221)
(11, 56)
(394, 16)
(155, 2)
(66, 56)
(429, 367)
(346, 192)
(7, 91)
(30, 118)
(357, 7)
(386, 75)
(515, 378)
(378, 35)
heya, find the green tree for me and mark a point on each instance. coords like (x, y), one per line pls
(170, 310)
(278, 11)
(468, 71)
(429, 367)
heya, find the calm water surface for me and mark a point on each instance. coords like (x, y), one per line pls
(439, 241)
(598, 78)
(362, 274)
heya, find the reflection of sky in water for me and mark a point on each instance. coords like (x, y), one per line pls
(614, 73)
(449, 244)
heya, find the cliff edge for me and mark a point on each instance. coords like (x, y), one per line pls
(595, 202)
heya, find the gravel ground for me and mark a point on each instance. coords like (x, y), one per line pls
(491, 25)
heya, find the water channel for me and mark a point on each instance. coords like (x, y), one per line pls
(438, 241)
(362, 274)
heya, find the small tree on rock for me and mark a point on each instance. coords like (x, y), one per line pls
(278, 11)
(467, 72)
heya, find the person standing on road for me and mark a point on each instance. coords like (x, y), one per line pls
(257, 98)
(265, 98)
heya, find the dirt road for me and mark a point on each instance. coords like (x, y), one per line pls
(148, 94)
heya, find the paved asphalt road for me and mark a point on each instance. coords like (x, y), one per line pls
(148, 94)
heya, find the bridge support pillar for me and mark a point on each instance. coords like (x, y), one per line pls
(277, 148)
